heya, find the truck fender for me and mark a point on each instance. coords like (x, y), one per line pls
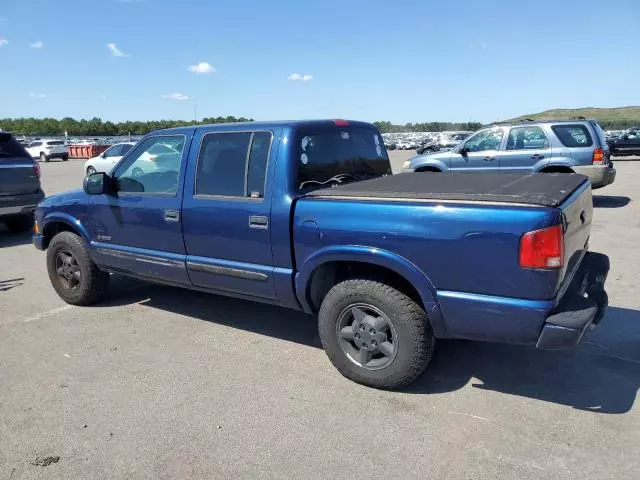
(376, 256)
(72, 222)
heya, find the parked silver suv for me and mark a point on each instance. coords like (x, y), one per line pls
(571, 146)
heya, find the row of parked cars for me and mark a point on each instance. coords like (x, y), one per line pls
(306, 215)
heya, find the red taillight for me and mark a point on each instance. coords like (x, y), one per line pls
(36, 169)
(341, 123)
(543, 248)
(598, 156)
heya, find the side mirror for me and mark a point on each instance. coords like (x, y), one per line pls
(104, 154)
(96, 183)
(464, 151)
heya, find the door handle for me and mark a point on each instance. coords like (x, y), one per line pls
(537, 156)
(488, 159)
(171, 216)
(258, 222)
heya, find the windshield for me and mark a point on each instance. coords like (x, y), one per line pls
(339, 155)
(10, 148)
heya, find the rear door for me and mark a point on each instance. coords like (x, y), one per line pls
(138, 228)
(578, 140)
(481, 152)
(227, 212)
(527, 149)
(18, 173)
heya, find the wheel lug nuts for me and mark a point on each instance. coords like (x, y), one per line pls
(362, 327)
(373, 343)
(372, 331)
(357, 335)
(364, 345)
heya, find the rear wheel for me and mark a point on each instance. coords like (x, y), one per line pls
(43, 157)
(19, 223)
(374, 334)
(74, 276)
(65, 158)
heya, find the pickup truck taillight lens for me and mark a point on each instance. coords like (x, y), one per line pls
(598, 156)
(543, 248)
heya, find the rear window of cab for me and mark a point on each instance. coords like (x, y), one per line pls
(573, 135)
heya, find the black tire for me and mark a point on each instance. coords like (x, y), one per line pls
(65, 158)
(43, 157)
(90, 171)
(93, 282)
(410, 326)
(19, 223)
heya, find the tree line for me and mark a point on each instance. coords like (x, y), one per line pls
(97, 127)
(388, 127)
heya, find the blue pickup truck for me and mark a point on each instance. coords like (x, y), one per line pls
(307, 215)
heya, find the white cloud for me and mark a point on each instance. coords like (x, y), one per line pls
(37, 95)
(115, 51)
(3, 42)
(176, 96)
(202, 67)
(296, 77)
(36, 44)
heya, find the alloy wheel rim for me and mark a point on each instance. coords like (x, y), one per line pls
(68, 270)
(367, 336)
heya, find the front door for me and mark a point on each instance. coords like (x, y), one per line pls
(527, 150)
(138, 228)
(227, 212)
(481, 152)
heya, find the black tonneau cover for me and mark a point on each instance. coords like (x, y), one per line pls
(545, 189)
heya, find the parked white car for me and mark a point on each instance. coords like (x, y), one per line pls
(107, 159)
(45, 150)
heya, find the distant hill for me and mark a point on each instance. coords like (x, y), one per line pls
(622, 117)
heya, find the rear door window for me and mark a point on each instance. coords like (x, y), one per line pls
(10, 148)
(573, 135)
(527, 138)
(233, 164)
(55, 142)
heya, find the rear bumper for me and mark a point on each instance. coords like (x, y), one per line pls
(58, 155)
(20, 204)
(600, 175)
(582, 307)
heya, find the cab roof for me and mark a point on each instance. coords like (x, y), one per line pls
(269, 125)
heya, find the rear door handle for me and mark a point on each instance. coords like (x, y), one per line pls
(488, 159)
(258, 222)
(537, 156)
(171, 216)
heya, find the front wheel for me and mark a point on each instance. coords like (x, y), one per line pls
(65, 158)
(374, 334)
(43, 157)
(73, 274)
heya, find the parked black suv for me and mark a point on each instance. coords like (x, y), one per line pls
(20, 189)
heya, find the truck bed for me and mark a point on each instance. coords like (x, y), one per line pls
(542, 189)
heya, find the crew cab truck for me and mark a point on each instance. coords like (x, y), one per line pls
(307, 215)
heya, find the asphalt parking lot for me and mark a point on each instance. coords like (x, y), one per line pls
(165, 383)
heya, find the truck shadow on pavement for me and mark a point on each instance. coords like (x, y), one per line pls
(8, 239)
(601, 375)
(607, 201)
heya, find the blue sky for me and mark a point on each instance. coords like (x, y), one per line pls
(403, 60)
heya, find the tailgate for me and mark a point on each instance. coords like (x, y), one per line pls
(577, 213)
(18, 176)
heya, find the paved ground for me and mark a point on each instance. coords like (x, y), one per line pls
(165, 383)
